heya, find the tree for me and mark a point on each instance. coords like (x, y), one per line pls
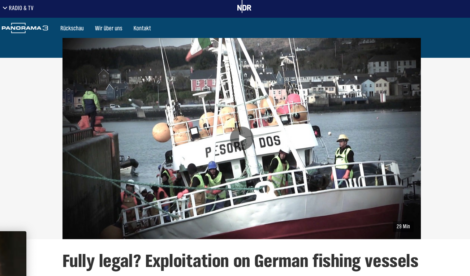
(85, 74)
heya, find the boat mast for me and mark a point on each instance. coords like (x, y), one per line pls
(170, 114)
(240, 100)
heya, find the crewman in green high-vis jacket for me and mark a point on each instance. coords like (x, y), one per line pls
(213, 178)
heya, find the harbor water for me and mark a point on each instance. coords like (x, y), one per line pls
(388, 135)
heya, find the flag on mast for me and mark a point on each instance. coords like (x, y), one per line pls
(197, 46)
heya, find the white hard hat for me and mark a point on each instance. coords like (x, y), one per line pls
(285, 149)
(142, 189)
(342, 137)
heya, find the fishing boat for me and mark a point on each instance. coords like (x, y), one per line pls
(242, 137)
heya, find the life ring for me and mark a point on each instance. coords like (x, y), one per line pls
(265, 195)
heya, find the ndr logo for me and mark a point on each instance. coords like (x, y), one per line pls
(21, 28)
(243, 8)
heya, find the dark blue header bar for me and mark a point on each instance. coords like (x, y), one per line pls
(234, 9)
(43, 37)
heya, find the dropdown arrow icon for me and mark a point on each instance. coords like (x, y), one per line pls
(5, 8)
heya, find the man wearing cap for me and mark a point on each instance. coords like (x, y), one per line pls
(343, 155)
(213, 177)
(196, 182)
(279, 164)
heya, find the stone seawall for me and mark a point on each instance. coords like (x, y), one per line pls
(323, 105)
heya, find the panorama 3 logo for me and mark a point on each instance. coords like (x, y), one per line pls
(21, 28)
(243, 8)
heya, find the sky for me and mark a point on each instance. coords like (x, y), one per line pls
(89, 43)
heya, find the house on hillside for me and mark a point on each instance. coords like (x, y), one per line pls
(278, 92)
(116, 90)
(180, 73)
(328, 88)
(381, 86)
(258, 63)
(404, 86)
(390, 63)
(315, 75)
(78, 99)
(114, 76)
(266, 79)
(103, 77)
(106, 76)
(142, 75)
(349, 86)
(389, 76)
(415, 86)
(203, 80)
(67, 97)
(368, 87)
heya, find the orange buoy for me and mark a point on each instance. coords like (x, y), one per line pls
(190, 124)
(225, 114)
(229, 125)
(204, 133)
(207, 118)
(220, 130)
(179, 123)
(299, 113)
(111, 232)
(251, 110)
(273, 122)
(264, 104)
(280, 103)
(161, 132)
(281, 107)
(181, 137)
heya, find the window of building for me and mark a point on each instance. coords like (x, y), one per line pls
(399, 63)
(205, 82)
(385, 85)
(370, 85)
(358, 87)
(197, 83)
(376, 85)
(198, 88)
(213, 82)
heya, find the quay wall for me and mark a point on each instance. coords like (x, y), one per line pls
(90, 205)
(321, 105)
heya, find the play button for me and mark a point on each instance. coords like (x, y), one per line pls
(244, 137)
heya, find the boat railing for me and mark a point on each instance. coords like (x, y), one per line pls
(242, 191)
(258, 118)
